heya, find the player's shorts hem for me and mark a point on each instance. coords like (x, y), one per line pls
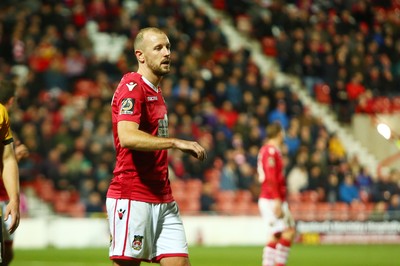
(156, 259)
(169, 255)
(128, 258)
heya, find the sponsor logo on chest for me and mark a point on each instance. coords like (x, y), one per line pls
(152, 98)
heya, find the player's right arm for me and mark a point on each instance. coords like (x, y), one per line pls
(131, 137)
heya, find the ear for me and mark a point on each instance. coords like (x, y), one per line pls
(140, 56)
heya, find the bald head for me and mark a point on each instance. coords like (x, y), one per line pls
(140, 37)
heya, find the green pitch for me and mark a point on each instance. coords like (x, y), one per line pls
(301, 255)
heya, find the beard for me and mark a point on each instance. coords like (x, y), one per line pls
(159, 70)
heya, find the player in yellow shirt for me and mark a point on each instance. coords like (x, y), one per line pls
(10, 173)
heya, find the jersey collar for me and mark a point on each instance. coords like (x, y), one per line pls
(150, 84)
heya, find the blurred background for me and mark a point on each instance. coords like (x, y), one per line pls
(329, 71)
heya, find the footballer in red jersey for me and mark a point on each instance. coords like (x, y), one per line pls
(272, 200)
(144, 219)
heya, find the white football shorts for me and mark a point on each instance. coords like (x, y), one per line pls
(145, 231)
(275, 224)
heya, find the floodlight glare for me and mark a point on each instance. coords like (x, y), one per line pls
(384, 130)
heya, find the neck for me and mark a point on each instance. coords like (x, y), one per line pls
(150, 76)
(274, 143)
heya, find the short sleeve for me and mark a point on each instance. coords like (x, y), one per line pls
(5, 129)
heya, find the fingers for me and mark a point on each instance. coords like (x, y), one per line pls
(15, 218)
(14, 224)
(194, 149)
(201, 153)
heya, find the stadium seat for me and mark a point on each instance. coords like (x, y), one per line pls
(178, 188)
(323, 211)
(382, 105)
(190, 206)
(294, 197)
(243, 196)
(44, 189)
(358, 211)
(77, 210)
(395, 106)
(304, 211)
(225, 202)
(86, 88)
(341, 211)
(194, 186)
(309, 196)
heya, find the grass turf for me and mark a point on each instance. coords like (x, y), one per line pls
(301, 255)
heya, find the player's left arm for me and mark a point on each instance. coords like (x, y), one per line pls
(11, 182)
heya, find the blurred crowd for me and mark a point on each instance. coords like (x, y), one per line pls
(352, 47)
(217, 97)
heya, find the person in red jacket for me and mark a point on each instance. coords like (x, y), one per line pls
(272, 202)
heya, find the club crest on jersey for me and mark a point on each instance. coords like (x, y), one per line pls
(127, 106)
(131, 85)
(137, 242)
(121, 213)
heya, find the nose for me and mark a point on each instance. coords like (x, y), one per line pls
(167, 51)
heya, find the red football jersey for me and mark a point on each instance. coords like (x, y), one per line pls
(270, 173)
(140, 175)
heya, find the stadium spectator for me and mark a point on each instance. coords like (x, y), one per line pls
(348, 191)
(201, 59)
(394, 207)
(383, 188)
(278, 114)
(364, 181)
(331, 188)
(297, 179)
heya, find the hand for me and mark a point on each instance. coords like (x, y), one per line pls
(193, 148)
(21, 151)
(13, 210)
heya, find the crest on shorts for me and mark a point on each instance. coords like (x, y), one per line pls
(137, 242)
(121, 213)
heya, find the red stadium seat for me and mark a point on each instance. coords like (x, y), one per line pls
(86, 88)
(323, 211)
(194, 186)
(304, 211)
(382, 105)
(395, 107)
(225, 202)
(341, 211)
(309, 196)
(358, 211)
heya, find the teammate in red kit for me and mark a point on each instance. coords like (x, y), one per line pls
(272, 200)
(144, 219)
